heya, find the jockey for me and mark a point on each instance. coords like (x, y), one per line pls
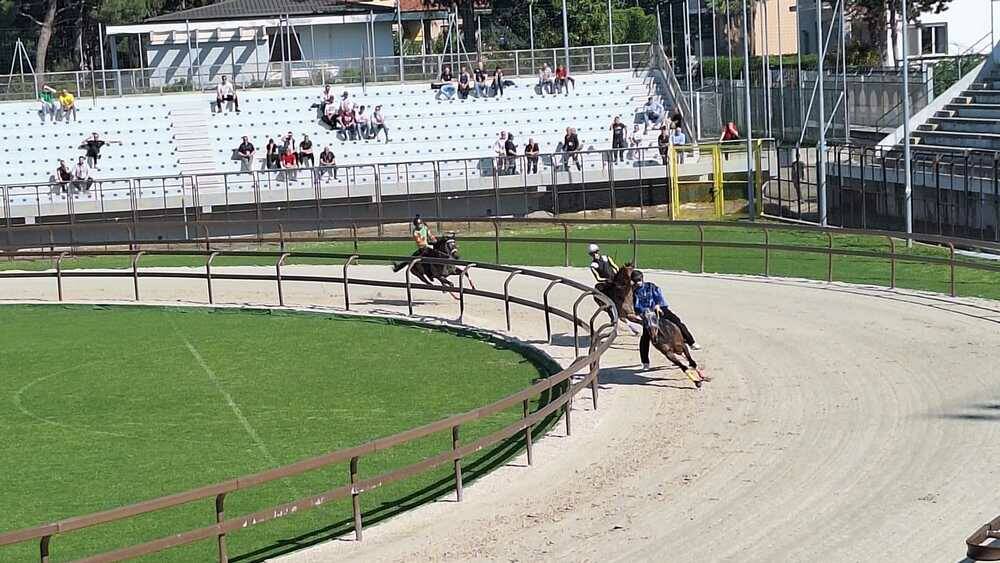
(648, 296)
(424, 239)
(602, 266)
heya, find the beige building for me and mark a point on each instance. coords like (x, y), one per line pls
(775, 31)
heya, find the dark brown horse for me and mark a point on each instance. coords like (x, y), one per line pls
(620, 291)
(667, 338)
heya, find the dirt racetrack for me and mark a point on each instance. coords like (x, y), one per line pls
(844, 423)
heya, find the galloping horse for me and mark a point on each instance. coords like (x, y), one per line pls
(666, 337)
(444, 247)
(619, 290)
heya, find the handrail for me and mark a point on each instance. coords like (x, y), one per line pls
(602, 339)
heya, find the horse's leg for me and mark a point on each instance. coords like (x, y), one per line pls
(669, 353)
(694, 365)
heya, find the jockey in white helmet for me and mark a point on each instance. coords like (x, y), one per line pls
(602, 266)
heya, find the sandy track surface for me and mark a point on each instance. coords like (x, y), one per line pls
(843, 424)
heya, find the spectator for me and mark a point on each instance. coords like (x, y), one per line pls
(635, 143)
(246, 151)
(730, 132)
(545, 82)
(663, 142)
(464, 84)
(81, 176)
(500, 148)
(652, 113)
(618, 130)
(480, 76)
(327, 98)
(93, 147)
(289, 163)
(272, 154)
(531, 157)
(346, 106)
(510, 151)
(563, 79)
(47, 100)
(361, 121)
(497, 85)
(378, 124)
(446, 89)
(67, 105)
(225, 92)
(328, 163)
(348, 125)
(571, 149)
(330, 115)
(306, 152)
(677, 119)
(63, 176)
(678, 139)
(288, 143)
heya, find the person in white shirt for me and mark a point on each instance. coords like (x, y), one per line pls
(545, 82)
(653, 114)
(500, 148)
(81, 175)
(346, 105)
(678, 139)
(635, 142)
(328, 97)
(225, 92)
(361, 119)
(378, 124)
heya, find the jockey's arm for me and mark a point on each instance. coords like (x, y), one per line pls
(611, 262)
(593, 270)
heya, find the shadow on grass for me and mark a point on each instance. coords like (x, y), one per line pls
(496, 457)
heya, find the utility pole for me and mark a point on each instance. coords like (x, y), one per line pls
(565, 33)
(751, 204)
(908, 186)
(821, 144)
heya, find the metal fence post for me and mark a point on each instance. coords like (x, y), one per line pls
(527, 431)
(43, 549)
(951, 266)
(701, 249)
(892, 263)
(767, 253)
(565, 244)
(277, 276)
(355, 500)
(635, 245)
(458, 464)
(829, 257)
(208, 276)
(506, 296)
(59, 274)
(461, 291)
(347, 290)
(135, 272)
(220, 516)
(496, 240)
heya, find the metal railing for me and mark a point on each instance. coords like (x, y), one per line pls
(600, 340)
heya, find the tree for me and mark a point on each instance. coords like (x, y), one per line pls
(42, 14)
(878, 15)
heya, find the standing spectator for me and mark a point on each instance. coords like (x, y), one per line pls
(93, 147)
(677, 119)
(480, 76)
(328, 163)
(663, 142)
(246, 151)
(361, 119)
(225, 92)
(348, 125)
(47, 102)
(678, 139)
(306, 152)
(497, 85)
(500, 148)
(378, 124)
(653, 114)
(635, 143)
(618, 140)
(464, 84)
(81, 176)
(63, 176)
(510, 151)
(563, 79)
(288, 143)
(330, 115)
(531, 156)
(272, 154)
(447, 89)
(730, 132)
(571, 149)
(289, 163)
(545, 82)
(67, 105)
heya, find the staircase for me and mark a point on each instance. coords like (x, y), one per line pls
(970, 121)
(189, 124)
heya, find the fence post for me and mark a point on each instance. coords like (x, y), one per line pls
(892, 263)
(220, 516)
(506, 296)
(135, 272)
(409, 290)
(461, 291)
(43, 549)
(767, 254)
(829, 257)
(458, 464)
(545, 306)
(566, 244)
(355, 500)
(59, 274)
(701, 249)
(951, 266)
(635, 245)
(277, 276)
(527, 431)
(496, 240)
(208, 276)
(347, 294)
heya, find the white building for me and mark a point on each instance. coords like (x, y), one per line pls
(964, 27)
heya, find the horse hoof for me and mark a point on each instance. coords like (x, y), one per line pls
(698, 384)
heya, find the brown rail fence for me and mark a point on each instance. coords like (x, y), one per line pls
(585, 366)
(285, 232)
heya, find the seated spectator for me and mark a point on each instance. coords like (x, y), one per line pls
(498, 82)
(676, 119)
(447, 88)
(464, 84)
(288, 143)
(531, 157)
(500, 148)
(510, 151)
(272, 158)
(480, 76)
(48, 105)
(93, 147)
(663, 142)
(327, 98)
(67, 105)
(618, 139)
(378, 124)
(306, 152)
(571, 149)
(348, 125)
(545, 82)
(289, 163)
(678, 139)
(361, 119)
(346, 106)
(730, 132)
(635, 143)
(225, 92)
(246, 152)
(652, 114)
(330, 115)
(81, 176)
(563, 79)
(328, 163)
(63, 176)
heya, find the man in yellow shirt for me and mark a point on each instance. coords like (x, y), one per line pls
(67, 103)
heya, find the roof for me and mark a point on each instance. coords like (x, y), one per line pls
(245, 9)
(437, 5)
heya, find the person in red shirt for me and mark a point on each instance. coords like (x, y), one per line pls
(289, 162)
(730, 133)
(563, 78)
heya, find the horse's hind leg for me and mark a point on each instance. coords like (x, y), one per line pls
(696, 379)
(694, 365)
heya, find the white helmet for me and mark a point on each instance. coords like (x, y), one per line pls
(593, 249)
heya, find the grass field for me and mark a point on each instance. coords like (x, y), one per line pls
(107, 406)
(865, 270)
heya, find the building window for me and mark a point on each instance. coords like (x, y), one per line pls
(928, 39)
(279, 52)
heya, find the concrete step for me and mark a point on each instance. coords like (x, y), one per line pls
(959, 140)
(965, 124)
(982, 96)
(978, 111)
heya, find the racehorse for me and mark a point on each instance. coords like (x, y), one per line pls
(666, 337)
(429, 272)
(620, 291)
